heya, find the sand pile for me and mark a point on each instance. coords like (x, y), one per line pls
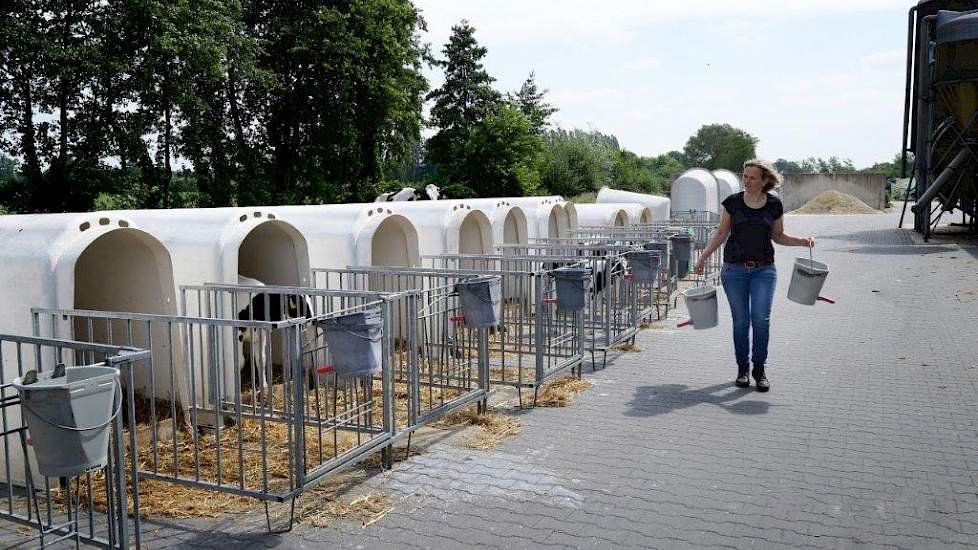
(834, 202)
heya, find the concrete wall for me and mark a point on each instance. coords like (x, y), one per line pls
(801, 188)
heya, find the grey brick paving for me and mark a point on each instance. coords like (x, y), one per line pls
(868, 438)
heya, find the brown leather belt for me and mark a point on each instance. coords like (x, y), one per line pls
(751, 264)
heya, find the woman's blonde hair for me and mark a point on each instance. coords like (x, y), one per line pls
(770, 176)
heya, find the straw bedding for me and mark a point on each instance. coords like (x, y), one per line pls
(561, 391)
(494, 427)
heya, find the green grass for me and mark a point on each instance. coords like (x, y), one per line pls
(584, 198)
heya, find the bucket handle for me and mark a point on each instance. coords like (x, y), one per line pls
(825, 299)
(118, 409)
(689, 322)
(344, 329)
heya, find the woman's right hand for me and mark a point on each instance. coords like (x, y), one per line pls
(700, 265)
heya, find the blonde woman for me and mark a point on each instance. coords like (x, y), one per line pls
(751, 221)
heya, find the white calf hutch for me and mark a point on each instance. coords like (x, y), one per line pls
(509, 223)
(659, 206)
(355, 234)
(547, 216)
(637, 213)
(447, 227)
(694, 191)
(727, 183)
(603, 215)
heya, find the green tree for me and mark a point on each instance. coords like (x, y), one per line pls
(630, 173)
(665, 169)
(463, 101)
(716, 146)
(261, 102)
(575, 162)
(891, 169)
(501, 155)
(529, 100)
(787, 167)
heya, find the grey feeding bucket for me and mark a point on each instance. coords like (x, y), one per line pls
(682, 251)
(572, 284)
(663, 248)
(69, 418)
(480, 299)
(644, 265)
(806, 282)
(354, 341)
(701, 301)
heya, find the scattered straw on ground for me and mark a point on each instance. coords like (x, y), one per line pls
(651, 325)
(322, 505)
(627, 347)
(495, 427)
(561, 391)
(834, 202)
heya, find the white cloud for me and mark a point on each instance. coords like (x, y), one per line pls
(652, 73)
(508, 22)
(643, 64)
(892, 57)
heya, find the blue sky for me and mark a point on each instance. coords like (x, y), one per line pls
(807, 78)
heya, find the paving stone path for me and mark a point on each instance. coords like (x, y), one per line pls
(869, 437)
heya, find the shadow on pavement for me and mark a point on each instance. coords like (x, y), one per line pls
(914, 250)
(665, 398)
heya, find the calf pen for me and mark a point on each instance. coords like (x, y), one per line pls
(700, 225)
(272, 419)
(534, 340)
(94, 507)
(652, 298)
(611, 314)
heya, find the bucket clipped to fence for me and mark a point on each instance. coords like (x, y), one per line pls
(806, 282)
(354, 341)
(682, 251)
(645, 265)
(701, 301)
(69, 417)
(480, 300)
(663, 248)
(572, 284)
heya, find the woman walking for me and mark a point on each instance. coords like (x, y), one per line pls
(752, 219)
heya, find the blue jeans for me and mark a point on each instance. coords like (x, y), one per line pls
(750, 292)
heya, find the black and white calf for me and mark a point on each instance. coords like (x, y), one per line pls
(430, 192)
(259, 350)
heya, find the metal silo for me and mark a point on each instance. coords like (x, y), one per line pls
(941, 109)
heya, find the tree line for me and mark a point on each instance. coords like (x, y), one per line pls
(172, 103)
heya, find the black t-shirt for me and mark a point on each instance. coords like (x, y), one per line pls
(750, 229)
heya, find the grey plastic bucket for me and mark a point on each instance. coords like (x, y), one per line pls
(806, 281)
(69, 418)
(682, 251)
(572, 284)
(645, 265)
(701, 301)
(480, 300)
(663, 248)
(354, 341)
